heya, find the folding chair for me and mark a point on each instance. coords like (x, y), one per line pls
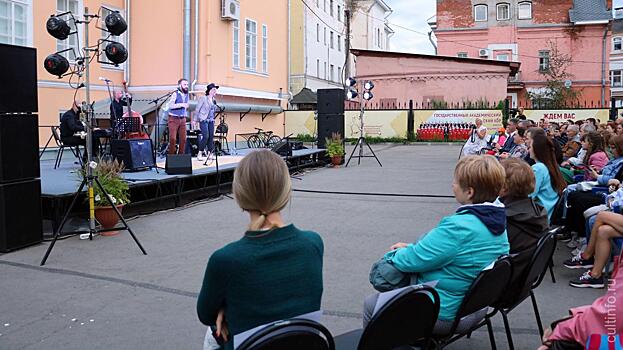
(61, 148)
(290, 334)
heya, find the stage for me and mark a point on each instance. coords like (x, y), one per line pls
(152, 189)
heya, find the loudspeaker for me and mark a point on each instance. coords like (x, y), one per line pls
(329, 124)
(20, 214)
(330, 101)
(18, 91)
(19, 147)
(285, 149)
(178, 164)
(134, 153)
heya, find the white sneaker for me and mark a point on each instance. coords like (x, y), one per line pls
(201, 156)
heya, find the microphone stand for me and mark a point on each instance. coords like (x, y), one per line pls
(113, 123)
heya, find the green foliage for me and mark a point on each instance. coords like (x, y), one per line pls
(108, 173)
(438, 104)
(335, 145)
(305, 137)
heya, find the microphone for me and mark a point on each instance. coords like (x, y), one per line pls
(105, 79)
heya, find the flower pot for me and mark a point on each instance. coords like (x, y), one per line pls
(107, 217)
(336, 161)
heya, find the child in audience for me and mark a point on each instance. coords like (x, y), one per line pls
(549, 180)
(274, 271)
(462, 244)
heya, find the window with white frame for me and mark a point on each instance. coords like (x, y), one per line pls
(14, 21)
(325, 71)
(524, 10)
(331, 39)
(325, 35)
(72, 41)
(339, 73)
(317, 32)
(331, 8)
(105, 35)
(461, 54)
(339, 13)
(251, 45)
(480, 13)
(236, 43)
(318, 68)
(617, 43)
(264, 48)
(544, 60)
(339, 43)
(503, 11)
(616, 78)
(332, 73)
(502, 57)
(324, 6)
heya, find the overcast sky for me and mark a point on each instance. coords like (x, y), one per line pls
(413, 16)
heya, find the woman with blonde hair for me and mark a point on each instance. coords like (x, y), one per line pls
(274, 271)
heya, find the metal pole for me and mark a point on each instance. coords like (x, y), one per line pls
(361, 136)
(89, 121)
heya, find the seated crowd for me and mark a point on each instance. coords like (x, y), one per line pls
(508, 201)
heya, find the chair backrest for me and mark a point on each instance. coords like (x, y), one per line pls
(406, 319)
(290, 334)
(540, 260)
(487, 288)
(56, 135)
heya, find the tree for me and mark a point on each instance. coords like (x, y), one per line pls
(555, 70)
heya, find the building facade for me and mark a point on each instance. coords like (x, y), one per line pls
(369, 27)
(530, 32)
(616, 59)
(317, 44)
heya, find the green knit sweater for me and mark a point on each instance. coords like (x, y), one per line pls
(265, 276)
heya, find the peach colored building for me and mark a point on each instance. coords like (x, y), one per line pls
(400, 77)
(167, 40)
(522, 30)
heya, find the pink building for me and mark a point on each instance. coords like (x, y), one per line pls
(524, 31)
(426, 79)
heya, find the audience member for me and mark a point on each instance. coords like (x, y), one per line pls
(549, 180)
(511, 128)
(519, 149)
(476, 142)
(595, 158)
(571, 148)
(275, 270)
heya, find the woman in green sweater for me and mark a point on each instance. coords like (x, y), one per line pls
(274, 271)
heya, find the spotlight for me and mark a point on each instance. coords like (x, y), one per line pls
(351, 94)
(368, 85)
(115, 24)
(350, 82)
(57, 28)
(367, 95)
(56, 64)
(116, 53)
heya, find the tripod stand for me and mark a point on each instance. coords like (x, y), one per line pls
(362, 141)
(218, 173)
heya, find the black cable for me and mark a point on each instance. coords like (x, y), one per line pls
(375, 194)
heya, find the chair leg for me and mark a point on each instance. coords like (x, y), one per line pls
(507, 328)
(551, 270)
(469, 335)
(491, 335)
(59, 157)
(536, 313)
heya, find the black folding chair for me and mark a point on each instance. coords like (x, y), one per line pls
(405, 321)
(290, 334)
(61, 148)
(532, 278)
(485, 291)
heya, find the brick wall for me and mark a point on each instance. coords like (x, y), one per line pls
(551, 11)
(454, 14)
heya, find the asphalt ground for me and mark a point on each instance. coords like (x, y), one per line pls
(104, 294)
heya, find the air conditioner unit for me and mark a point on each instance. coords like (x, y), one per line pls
(230, 10)
(483, 52)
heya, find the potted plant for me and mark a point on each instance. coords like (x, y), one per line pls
(335, 149)
(108, 173)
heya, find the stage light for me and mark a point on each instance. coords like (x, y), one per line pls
(58, 28)
(115, 24)
(351, 94)
(116, 53)
(368, 85)
(367, 95)
(350, 82)
(56, 64)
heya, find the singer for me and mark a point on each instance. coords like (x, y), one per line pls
(178, 110)
(204, 117)
(116, 110)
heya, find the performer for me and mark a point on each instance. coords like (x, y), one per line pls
(178, 109)
(204, 116)
(116, 110)
(71, 127)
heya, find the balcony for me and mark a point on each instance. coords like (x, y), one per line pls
(514, 81)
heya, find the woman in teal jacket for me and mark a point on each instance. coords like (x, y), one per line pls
(549, 180)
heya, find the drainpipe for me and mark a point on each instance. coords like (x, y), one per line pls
(196, 59)
(186, 48)
(128, 36)
(290, 54)
(430, 38)
(603, 67)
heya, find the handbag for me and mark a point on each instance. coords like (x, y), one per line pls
(384, 276)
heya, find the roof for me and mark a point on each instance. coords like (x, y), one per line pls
(514, 66)
(305, 96)
(142, 103)
(589, 11)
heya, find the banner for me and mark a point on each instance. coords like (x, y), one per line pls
(491, 118)
(561, 115)
(384, 124)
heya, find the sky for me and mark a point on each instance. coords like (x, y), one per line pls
(412, 15)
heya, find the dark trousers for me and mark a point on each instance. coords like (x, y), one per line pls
(578, 202)
(177, 125)
(78, 141)
(207, 135)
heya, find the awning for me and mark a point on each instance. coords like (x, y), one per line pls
(305, 96)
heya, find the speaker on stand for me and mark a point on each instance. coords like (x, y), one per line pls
(330, 114)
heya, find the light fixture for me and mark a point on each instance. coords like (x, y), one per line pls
(350, 82)
(368, 85)
(56, 64)
(115, 24)
(57, 28)
(351, 94)
(116, 52)
(367, 95)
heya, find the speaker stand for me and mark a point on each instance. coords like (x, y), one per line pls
(91, 231)
(360, 142)
(218, 175)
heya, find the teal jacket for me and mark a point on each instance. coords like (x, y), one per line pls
(543, 191)
(455, 252)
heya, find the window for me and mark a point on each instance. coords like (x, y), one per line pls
(317, 32)
(339, 43)
(325, 70)
(325, 35)
(14, 22)
(236, 43)
(331, 39)
(318, 68)
(480, 13)
(525, 10)
(461, 54)
(317, 3)
(332, 76)
(378, 37)
(72, 40)
(105, 34)
(502, 57)
(251, 45)
(331, 8)
(264, 48)
(339, 13)
(616, 78)
(543, 60)
(324, 5)
(503, 12)
(339, 73)
(617, 43)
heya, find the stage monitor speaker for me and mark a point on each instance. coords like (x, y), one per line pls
(179, 164)
(20, 214)
(19, 147)
(329, 124)
(285, 149)
(134, 153)
(18, 91)
(330, 101)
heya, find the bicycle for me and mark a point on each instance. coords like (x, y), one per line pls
(262, 139)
